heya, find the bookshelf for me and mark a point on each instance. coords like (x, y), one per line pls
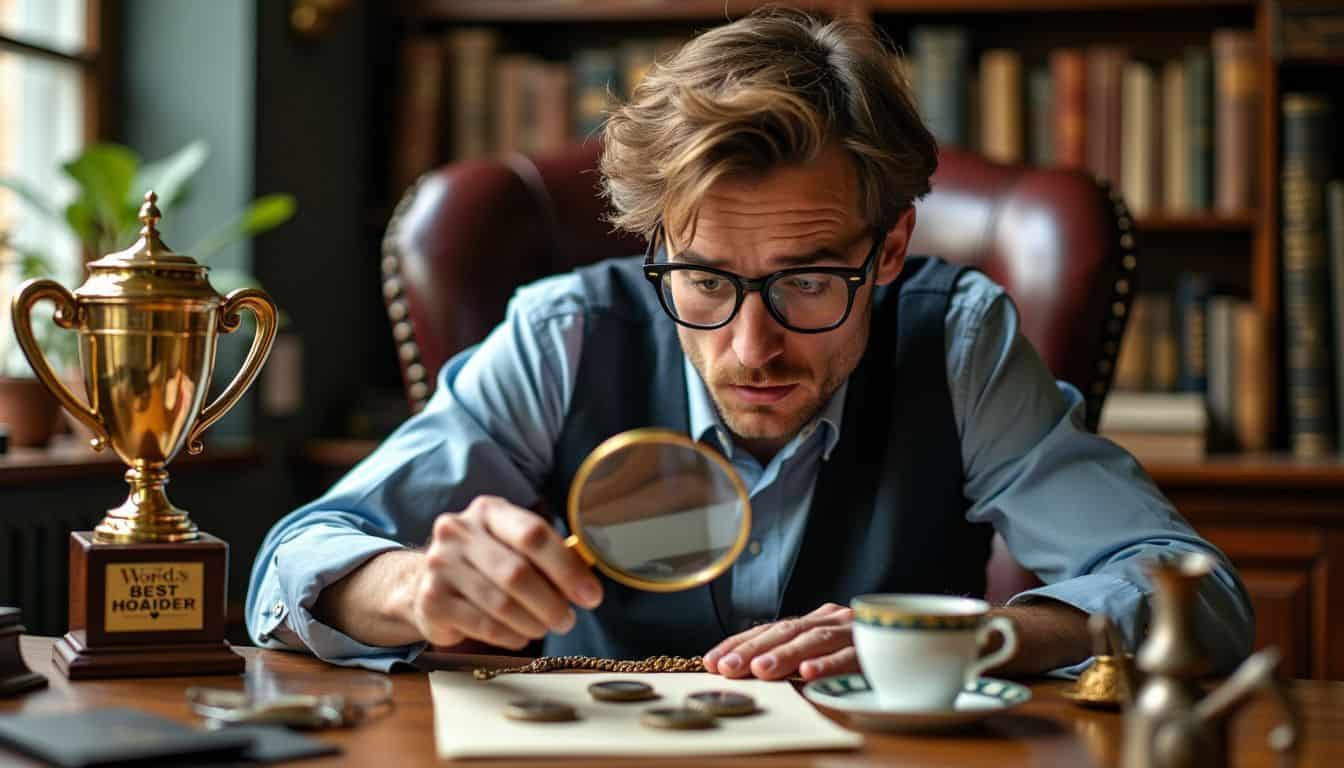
(1275, 514)
(1237, 249)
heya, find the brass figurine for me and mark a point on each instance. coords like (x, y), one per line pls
(148, 321)
(1168, 724)
(1110, 681)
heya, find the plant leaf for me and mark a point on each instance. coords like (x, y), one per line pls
(169, 177)
(264, 214)
(79, 215)
(104, 173)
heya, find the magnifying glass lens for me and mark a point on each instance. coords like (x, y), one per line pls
(671, 514)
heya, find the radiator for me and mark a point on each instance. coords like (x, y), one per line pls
(35, 575)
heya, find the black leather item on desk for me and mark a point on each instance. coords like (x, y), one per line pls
(117, 736)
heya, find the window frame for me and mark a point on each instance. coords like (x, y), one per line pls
(96, 62)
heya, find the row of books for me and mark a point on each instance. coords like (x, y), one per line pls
(464, 96)
(1190, 375)
(1176, 136)
(1196, 349)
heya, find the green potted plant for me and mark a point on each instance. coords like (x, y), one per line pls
(110, 182)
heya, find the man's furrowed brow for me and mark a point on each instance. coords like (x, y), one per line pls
(822, 255)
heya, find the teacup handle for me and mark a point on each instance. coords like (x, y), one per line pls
(67, 316)
(264, 309)
(1007, 631)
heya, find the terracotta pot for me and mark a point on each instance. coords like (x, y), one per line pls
(28, 410)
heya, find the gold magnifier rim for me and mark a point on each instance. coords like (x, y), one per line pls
(655, 436)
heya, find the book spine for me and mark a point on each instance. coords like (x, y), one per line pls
(417, 148)
(1237, 98)
(597, 78)
(1136, 120)
(1222, 318)
(1001, 106)
(1199, 128)
(1191, 305)
(1306, 158)
(1250, 400)
(1334, 216)
(471, 54)
(1166, 355)
(1175, 154)
(1041, 108)
(1133, 364)
(1311, 30)
(1068, 69)
(1105, 67)
(941, 68)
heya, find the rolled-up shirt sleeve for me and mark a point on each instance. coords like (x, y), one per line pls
(490, 428)
(1072, 506)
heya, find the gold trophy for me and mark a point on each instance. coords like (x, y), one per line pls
(147, 589)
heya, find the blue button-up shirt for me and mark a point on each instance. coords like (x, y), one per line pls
(1071, 506)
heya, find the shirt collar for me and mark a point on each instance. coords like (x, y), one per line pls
(705, 422)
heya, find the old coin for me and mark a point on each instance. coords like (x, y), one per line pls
(621, 690)
(540, 711)
(722, 703)
(677, 719)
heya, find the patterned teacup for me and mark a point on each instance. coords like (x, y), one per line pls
(919, 651)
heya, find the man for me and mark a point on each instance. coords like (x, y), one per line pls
(884, 412)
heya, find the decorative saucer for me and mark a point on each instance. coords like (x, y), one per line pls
(849, 698)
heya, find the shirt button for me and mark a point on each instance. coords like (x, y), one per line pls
(754, 547)
(278, 609)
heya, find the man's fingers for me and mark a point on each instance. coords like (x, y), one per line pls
(783, 660)
(841, 662)
(529, 534)
(737, 662)
(714, 655)
(496, 603)
(512, 574)
(446, 619)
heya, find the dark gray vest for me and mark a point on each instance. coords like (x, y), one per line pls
(888, 513)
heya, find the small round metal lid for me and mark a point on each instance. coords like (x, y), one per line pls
(149, 269)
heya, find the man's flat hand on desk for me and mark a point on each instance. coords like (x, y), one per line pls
(816, 645)
(499, 574)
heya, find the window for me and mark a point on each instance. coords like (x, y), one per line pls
(50, 106)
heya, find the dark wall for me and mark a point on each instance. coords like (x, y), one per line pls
(312, 128)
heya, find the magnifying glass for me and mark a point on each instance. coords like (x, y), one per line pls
(657, 511)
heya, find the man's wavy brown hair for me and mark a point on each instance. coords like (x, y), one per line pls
(768, 90)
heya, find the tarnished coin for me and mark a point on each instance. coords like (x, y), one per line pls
(722, 703)
(677, 719)
(621, 690)
(540, 711)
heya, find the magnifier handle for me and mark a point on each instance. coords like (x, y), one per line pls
(573, 543)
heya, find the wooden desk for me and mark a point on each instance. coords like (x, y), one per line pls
(1044, 732)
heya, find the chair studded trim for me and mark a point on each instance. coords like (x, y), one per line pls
(1123, 287)
(413, 373)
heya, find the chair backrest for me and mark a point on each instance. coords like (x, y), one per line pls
(465, 236)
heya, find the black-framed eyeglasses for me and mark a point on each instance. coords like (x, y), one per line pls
(802, 299)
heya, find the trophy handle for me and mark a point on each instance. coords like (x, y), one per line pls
(264, 309)
(67, 313)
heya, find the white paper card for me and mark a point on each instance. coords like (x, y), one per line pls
(469, 718)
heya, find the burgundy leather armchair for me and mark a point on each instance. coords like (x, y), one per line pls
(465, 236)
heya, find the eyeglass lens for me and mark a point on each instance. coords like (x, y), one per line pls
(805, 300)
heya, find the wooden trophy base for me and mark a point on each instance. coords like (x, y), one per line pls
(142, 610)
(77, 661)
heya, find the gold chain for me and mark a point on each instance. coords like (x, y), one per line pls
(552, 663)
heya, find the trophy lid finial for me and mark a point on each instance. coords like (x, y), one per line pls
(150, 215)
(149, 250)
